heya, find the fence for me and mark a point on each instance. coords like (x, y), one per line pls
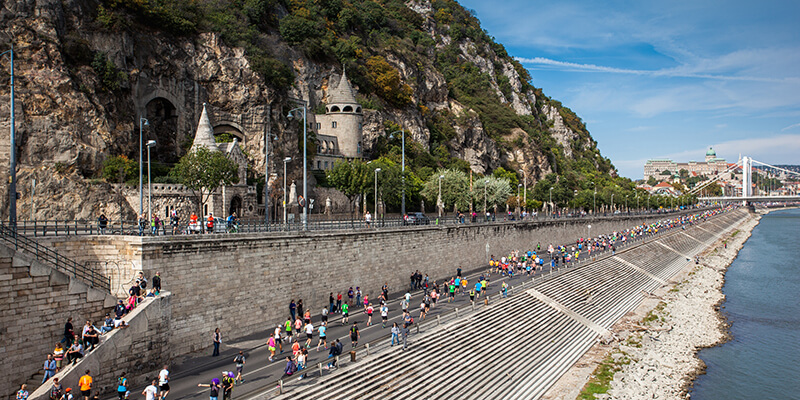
(54, 259)
(316, 222)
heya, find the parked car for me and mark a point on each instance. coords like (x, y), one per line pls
(418, 218)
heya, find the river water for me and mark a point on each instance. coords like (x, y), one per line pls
(762, 289)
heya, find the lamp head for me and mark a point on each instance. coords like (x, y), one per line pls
(151, 143)
(146, 122)
(441, 176)
(289, 115)
(287, 159)
(377, 170)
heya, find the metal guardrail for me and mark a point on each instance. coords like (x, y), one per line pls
(38, 228)
(54, 259)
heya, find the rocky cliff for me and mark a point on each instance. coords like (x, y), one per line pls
(88, 70)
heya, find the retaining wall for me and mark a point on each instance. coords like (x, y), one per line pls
(35, 302)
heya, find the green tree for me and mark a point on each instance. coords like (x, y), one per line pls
(203, 172)
(351, 178)
(113, 165)
(455, 189)
(497, 191)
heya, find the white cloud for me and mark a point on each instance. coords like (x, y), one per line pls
(791, 127)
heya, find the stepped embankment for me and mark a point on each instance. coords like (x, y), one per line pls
(655, 356)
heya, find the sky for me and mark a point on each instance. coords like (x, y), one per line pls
(664, 79)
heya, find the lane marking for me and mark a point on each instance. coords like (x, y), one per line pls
(636, 267)
(566, 311)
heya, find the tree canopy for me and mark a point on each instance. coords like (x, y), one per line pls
(204, 171)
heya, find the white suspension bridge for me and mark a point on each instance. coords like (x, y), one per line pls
(748, 195)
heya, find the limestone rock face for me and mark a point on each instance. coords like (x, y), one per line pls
(70, 118)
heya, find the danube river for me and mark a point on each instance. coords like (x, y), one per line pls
(762, 289)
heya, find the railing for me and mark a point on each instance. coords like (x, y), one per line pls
(316, 222)
(54, 259)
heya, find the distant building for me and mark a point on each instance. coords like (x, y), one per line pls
(339, 130)
(664, 168)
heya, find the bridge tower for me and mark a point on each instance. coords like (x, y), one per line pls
(747, 178)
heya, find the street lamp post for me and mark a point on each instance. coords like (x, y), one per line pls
(142, 123)
(551, 202)
(285, 161)
(150, 144)
(376, 194)
(402, 132)
(440, 202)
(612, 203)
(485, 183)
(12, 187)
(519, 186)
(626, 204)
(637, 203)
(305, 159)
(525, 188)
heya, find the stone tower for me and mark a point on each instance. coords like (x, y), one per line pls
(343, 119)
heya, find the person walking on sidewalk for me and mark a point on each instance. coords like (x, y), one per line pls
(395, 334)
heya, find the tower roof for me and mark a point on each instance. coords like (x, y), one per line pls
(343, 93)
(205, 133)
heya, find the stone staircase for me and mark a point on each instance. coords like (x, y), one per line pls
(517, 348)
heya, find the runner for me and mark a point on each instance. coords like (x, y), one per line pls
(271, 347)
(85, 384)
(288, 327)
(354, 334)
(239, 361)
(309, 334)
(369, 313)
(151, 392)
(323, 338)
(163, 383)
(384, 315)
(345, 314)
(122, 387)
(277, 336)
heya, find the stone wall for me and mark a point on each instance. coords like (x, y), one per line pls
(36, 301)
(243, 283)
(139, 350)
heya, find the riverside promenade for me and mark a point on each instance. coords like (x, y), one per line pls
(261, 377)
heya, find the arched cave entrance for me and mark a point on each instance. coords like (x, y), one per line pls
(226, 133)
(236, 206)
(163, 118)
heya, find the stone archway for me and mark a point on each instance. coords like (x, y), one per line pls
(228, 130)
(162, 116)
(235, 206)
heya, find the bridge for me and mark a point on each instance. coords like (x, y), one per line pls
(749, 193)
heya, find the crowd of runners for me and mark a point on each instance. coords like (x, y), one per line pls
(298, 334)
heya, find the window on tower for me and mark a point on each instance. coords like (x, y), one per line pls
(333, 124)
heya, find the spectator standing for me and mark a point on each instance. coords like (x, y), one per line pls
(102, 224)
(49, 368)
(173, 221)
(85, 384)
(300, 308)
(405, 331)
(217, 342)
(292, 309)
(368, 218)
(157, 282)
(69, 332)
(395, 333)
(142, 221)
(214, 385)
(58, 355)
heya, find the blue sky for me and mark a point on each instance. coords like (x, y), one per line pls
(664, 79)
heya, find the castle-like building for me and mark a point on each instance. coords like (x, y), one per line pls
(712, 166)
(339, 130)
(239, 198)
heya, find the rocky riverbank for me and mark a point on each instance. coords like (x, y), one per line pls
(657, 359)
